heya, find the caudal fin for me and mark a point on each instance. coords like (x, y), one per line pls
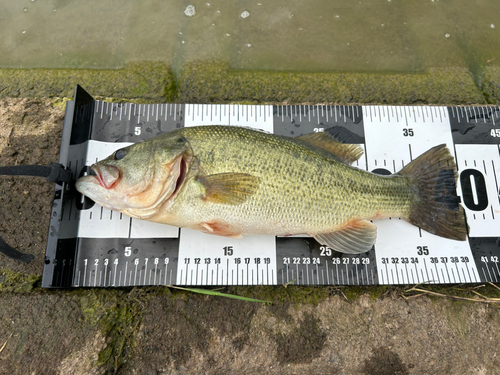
(436, 208)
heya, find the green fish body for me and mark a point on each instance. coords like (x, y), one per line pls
(232, 181)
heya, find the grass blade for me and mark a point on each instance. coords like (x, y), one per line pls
(219, 294)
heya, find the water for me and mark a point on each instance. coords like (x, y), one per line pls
(312, 35)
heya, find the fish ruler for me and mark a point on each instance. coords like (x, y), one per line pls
(90, 246)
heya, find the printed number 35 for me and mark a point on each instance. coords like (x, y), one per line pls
(422, 250)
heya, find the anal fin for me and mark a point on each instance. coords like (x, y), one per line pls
(354, 238)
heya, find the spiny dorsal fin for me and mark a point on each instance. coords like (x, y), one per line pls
(327, 141)
(355, 238)
(229, 188)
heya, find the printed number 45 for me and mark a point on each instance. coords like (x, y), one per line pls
(495, 132)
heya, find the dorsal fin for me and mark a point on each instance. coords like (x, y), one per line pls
(327, 141)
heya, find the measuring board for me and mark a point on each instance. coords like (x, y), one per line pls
(90, 246)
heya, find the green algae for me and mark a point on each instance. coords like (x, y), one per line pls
(281, 294)
(118, 314)
(202, 82)
(16, 282)
(491, 84)
(374, 292)
(213, 82)
(148, 81)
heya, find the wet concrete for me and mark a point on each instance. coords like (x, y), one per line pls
(155, 330)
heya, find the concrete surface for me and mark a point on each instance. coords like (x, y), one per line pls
(316, 330)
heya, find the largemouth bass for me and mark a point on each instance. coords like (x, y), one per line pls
(231, 181)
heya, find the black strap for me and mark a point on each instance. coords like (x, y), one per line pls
(54, 173)
(9, 251)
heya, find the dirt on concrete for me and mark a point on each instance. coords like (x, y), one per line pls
(365, 336)
(30, 133)
(158, 331)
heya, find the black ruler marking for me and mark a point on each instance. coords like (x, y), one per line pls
(295, 120)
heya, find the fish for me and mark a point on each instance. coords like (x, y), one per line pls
(233, 181)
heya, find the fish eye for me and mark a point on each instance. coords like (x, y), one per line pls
(120, 154)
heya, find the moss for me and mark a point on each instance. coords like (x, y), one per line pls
(491, 84)
(202, 82)
(280, 294)
(315, 294)
(16, 282)
(375, 292)
(148, 81)
(59, 103)
(312, 295)
(208, 82)
(118, 313)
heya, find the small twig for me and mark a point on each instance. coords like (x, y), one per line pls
(414, 296)
(341, 292)
(487, 298)
(4, 345)
(423, 291)
(495, 286)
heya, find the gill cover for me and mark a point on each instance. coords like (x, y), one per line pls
(138, 178)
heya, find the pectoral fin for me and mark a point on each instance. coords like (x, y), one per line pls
(355, 238)
(229, 188)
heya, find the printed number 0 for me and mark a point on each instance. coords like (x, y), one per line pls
(479, 186)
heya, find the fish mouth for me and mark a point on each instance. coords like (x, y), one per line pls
(108, 176)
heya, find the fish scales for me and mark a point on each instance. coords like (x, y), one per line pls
(300, 191)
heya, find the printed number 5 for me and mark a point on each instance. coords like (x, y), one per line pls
(128, 251)
(137, 130)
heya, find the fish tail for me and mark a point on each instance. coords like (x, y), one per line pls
(436, 207)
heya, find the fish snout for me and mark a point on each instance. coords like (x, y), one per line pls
(107, 175)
